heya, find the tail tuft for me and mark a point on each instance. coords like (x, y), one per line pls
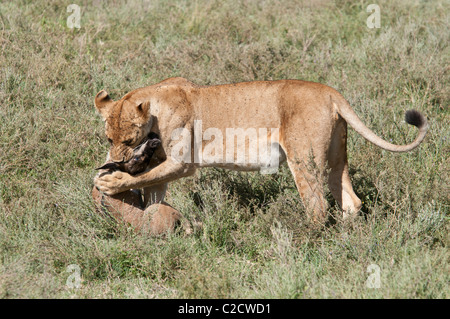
(415, 118)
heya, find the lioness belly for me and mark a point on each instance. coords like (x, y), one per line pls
(245, 151)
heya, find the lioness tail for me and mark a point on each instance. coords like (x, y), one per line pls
(412, 117)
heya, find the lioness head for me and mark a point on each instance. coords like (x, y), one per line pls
(127, 123)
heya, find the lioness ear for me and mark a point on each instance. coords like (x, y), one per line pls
(143, 108)
(103, 103)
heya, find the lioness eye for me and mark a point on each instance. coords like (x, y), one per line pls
(128, 142)
(110, 141)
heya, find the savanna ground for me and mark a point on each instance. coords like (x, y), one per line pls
(256, 241)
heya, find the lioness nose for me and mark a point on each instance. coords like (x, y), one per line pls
(121, 153)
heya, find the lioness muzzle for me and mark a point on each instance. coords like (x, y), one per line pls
(142, 155)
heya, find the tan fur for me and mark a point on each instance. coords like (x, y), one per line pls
(157, 219)
(312, 121)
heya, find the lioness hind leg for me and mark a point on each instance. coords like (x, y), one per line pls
(339, 179)
(310, 188)
(163, 218)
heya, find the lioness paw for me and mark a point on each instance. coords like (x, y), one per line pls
(112, 184)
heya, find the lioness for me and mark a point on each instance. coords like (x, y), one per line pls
(306, 124)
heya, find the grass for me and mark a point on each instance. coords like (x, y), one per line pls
(256, 241)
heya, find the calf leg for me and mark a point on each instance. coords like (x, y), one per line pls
(157, 219)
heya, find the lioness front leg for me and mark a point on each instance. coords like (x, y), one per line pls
(166, 172)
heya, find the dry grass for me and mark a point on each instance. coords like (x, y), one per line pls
(256, 241)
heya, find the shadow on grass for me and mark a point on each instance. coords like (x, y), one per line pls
(276, 195)
(252, 190)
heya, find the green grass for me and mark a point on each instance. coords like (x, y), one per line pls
(256, 241)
